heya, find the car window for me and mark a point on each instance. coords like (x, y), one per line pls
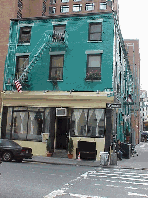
(9, 143)
(14, 144)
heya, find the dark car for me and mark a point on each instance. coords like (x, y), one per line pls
(10, 150)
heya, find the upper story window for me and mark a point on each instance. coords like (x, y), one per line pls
(56, 67)
(103, 6)
(59, 29)
(52, 1)
(52, 10)
(95, 31)
(89, 6)
(93, 67)
(59, 32)
(64, 1)
(77, 7)
(21, 64)
(64, 8)
(25, 34)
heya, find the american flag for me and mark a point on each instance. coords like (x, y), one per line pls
(129, 99)
(18, 85)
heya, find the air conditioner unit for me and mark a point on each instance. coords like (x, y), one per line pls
(61, 112)
(45, 137)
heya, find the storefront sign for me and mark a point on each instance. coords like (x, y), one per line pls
(112, 106)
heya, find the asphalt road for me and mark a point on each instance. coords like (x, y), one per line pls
(33, 180)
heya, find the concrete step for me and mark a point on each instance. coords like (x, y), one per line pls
(60, 153)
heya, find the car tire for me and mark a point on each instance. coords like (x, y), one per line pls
(7, 156)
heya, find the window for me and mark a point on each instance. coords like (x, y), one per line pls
(77, 7)
(120, 50)
(21, 64)
(59, 29)
(103, 6)
(89, 6)
(64, 1)
(59, 33)
(28, 123)
(56, 67)
(25, 34)
(95, 30)
(88, 122)
(52, 10)
(64, 9)
(52, 2)
(93, 67)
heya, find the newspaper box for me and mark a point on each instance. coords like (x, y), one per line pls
(104, 158)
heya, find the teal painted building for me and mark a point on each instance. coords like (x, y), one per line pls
(69, 68)
(76, 52)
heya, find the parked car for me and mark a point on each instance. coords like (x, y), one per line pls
(10, 150)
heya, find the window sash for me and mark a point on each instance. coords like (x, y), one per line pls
(95, 31)
(64, 9)
(64, 1)
(21, 64)
(25, 34)
(103, 6)
(52, 10)
(59, 29)
(93, 67)
(89, 6)
(56, 67)
(77, 7)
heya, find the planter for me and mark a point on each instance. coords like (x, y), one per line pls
(70, 156)
(49, 154)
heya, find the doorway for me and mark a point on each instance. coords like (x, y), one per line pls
(62, 133)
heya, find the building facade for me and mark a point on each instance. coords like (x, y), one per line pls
(68, 71)
(72, 68)
(132, 47)
(143, 111)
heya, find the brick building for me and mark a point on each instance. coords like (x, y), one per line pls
(132, 46)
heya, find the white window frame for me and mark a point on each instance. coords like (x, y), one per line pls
(103, 6)
(63, 8)
(89, 6)
(64, 1)
(79, 6)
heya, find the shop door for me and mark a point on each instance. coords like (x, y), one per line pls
(62, 132)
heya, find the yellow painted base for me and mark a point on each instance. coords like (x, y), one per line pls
(38, 148)
(100, 142)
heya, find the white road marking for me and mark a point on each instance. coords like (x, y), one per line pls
(136, 194)
(55, 193)
(84, 196)
(132, 188)
(145, 184)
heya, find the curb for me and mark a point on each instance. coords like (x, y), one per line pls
(89, 165)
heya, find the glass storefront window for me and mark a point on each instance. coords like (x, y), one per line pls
(88, 122)
(27, 123)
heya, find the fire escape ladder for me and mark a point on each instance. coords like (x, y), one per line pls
(10, 60)
(50, 40)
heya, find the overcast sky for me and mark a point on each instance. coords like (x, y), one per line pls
(133, 16)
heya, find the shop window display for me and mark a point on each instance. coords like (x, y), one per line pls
(88, 122)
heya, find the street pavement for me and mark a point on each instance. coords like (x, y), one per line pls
(136, 162)
(57, 178)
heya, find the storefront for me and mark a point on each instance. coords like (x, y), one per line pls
(30, 117)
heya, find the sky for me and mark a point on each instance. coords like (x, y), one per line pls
(134, 19)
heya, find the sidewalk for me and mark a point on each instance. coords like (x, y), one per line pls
(136, 162)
